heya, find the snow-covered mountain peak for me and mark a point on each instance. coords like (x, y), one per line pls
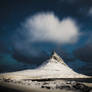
(51, 68)
(57, 58)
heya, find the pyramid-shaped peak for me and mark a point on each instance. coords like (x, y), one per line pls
(56, 57)
(53, 53)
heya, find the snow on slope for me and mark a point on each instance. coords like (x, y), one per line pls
(52, 68)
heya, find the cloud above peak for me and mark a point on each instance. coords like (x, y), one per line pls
(46, 27)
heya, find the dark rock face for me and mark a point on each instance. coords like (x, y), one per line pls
(81, 87)
(63, 87)
(47, 87)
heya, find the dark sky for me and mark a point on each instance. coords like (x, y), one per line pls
(14, 40)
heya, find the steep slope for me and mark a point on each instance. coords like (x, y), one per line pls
(52, 68)
(57, 65)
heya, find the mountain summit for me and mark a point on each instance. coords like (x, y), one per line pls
(55, 56)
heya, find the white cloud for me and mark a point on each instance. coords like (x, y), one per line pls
(46, 27)
(90, 11)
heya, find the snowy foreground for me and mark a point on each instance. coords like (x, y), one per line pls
(43, 76)
(58, 85)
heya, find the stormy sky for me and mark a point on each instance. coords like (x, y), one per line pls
(31, 29)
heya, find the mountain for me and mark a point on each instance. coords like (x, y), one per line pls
(54, 67)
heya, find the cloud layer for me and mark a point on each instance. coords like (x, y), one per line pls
(90, 11)
(46, 27)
